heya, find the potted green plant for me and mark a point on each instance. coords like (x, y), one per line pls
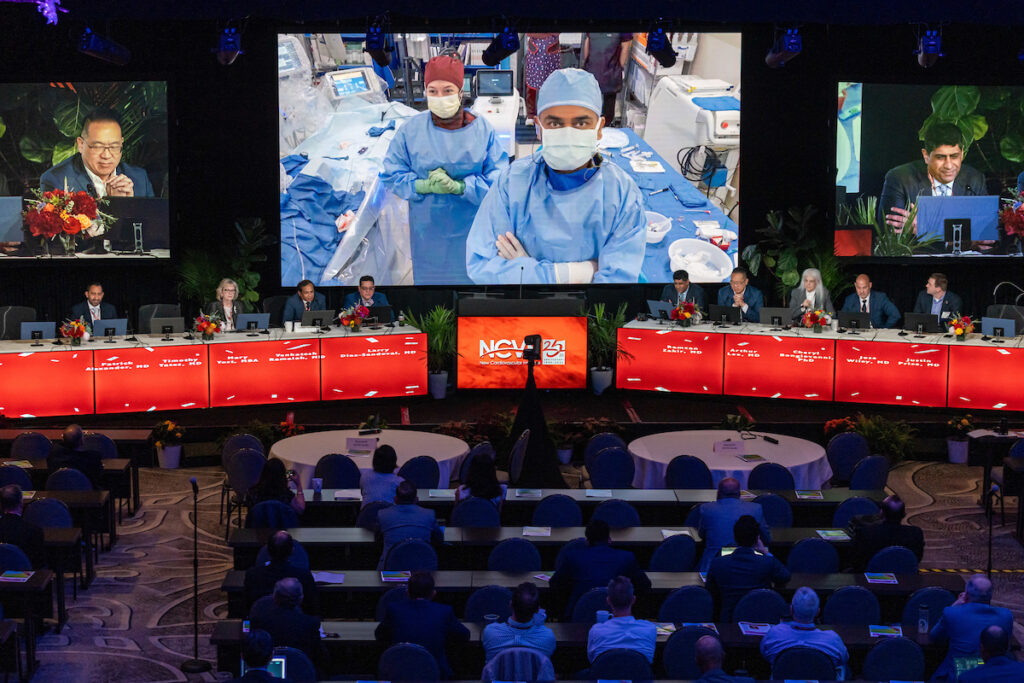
(439, 326)
(956, 443)
(603, 345)
(166, 438)
(892, 438)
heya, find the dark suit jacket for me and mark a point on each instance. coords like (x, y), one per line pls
(352, 298)
(883, 312)
(295, 307)
(1000, 669)
(717, 520)
(751, 296)
(719, 676)
(869, 539)
(951, 303)
(81, 310)
(25, 535)
(426, 623)
(217, 308)
(733, 576)
(904, 183)
(89, 463)
(693, 293)
(260, 580)
(593, 566)
(73, 171)
(289, 627)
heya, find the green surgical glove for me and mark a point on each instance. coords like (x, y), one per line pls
(429, 186)
(451, 186)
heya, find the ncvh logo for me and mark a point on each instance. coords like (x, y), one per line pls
(552, 350)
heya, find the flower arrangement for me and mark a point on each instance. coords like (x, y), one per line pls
(960, 426)
(353, 316)
(960, 326)
(75, 330)
(686, 313)
(62, 215)
(167, 433)
(815, 319)
(286, 429)
(839, 426)
(206, 325)
(1011, 217)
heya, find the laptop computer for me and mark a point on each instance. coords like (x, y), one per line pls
(383, 314)
(118, 327)
(152, 213)
(998, 327)
(261, 321)
(977, 218)
(10, 219)
(776, 317)
(656, 308)
(277, 667)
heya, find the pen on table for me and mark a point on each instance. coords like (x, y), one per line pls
(664, 189)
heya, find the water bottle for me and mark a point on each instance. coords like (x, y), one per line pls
(922, 620)
(401, 318)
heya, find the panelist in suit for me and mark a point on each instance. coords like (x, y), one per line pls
(882, 310)
(741, 294)
(304, 299)
(940, 173)
(227, 307)
(98, 168)
(367, 295)
(937, 299)
(810, 295)
(682, 290)
(92, 308)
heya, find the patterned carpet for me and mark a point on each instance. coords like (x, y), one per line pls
(134, 623)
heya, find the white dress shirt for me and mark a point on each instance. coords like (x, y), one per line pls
(94, 312)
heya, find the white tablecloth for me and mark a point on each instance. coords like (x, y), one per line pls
(302, 452)
(652, 454)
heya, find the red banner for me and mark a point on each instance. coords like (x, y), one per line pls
(491, 352)
(392, 364)
(259, 372)
(151, 378)
(671, 359)
(986, 377)
(46, 383)
(779, 367)
(891, 373)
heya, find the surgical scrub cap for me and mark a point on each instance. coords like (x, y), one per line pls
(570, 86)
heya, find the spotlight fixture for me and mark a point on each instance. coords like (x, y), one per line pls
(103, 48)
(929, 47)
(787, 45)
(229, 46)
(503, 45)
(660, 47)
(48, 8)
(377, 42)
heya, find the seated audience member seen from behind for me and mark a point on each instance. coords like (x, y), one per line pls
(70, 451)
(257, 651)
(717, 520)
(937, 299)
(404, 520)
(261, 578)
(91, 308)
(682, 290)
(801, 632)
(422, 621)
(593, 566)
(282, 617)
(749, 566)
(962, 621)
(622, 630)
(482, 482)
(525, 628)
(306, 298)
(710, 656)
(740, 294)
(888, 530)
(228, 306)
(276, 483)
(367, 294)
(16, 530)
(883, 312)
(999, 666)
(381, 483)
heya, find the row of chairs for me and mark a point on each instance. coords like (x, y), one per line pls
(64, 479)
(31, 445)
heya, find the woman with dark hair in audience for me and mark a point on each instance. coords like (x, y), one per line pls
(380, 483)
(276, 483)
(481, 482)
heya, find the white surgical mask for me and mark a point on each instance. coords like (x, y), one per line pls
(444, 107)
(566, 149)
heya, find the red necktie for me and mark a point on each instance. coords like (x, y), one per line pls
(307, 305)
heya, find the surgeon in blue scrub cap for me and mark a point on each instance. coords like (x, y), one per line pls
(560, 216)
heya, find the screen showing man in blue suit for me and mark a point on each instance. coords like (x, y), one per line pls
(367, 295)
(883, 312)
(743, 295)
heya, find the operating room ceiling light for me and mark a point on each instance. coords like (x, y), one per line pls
(103, 48)
(660, 47)
(377, 42)
(504, 44)
(929, 47)
(788, 44)
(48, 8)
(229, 45)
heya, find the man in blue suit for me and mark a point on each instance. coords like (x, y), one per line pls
(717, 520)
(748, 567)
(92, 307)
(367, 294)
(422, 621)
(742, 295)
(962, 621)
(97, 168)
(594, 565)
(999, 666)
(305, 299)
(405, 519)
(937, 299)
(682, 290)
(882, 310)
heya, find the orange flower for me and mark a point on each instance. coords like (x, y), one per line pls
(84, 220)
(47, 208)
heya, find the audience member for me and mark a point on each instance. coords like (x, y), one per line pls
(276, 483)
(70, 451)
(481, 482)
(749, 566)
(710, 656)
(623, 630)
(999, 666)
(405, 519)
(962, 621)
(16, 530)
(525, 628)
(594, 565)
(887, 531)
(422, 621)
(380, 484)
(718, 518)
(257, 651)
(260, 579)
(801, 633)
(284, 620)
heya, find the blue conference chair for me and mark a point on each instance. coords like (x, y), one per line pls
(101, 443)
(895, 559)
(621, 664)
(422, 471)
(678, 655)
(476, 513)
(29, 445)
(689, 604)
(933, 598)
(897, 659)
(762, 605)
(688, 472)
(804, 663)
(397, 594)
(411, 554)
(770, 476)
(12, 474)
(675, 554)
(777, 511)
(618, 513)
(483, 449)
(870, 474)
(568, 548)
(338, 472)
(854, 605)
(585, 609)
(488, 600)
(813, 556)
(271, 514)
(557, 510)
(407, 662)
(598, 443)
(852, 507)
(514, 555)
(844, 451)
(68, 479)
(613, 469)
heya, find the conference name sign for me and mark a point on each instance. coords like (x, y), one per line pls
(491, 352)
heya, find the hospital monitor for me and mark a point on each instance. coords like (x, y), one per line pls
(496, 83)
(291, 57)
(342, 84)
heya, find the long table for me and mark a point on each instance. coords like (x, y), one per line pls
(233, 369)
(869, 366)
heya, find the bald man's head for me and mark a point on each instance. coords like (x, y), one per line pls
(994, 642)
(728, 488)
(288, 592)
(72, 437)
(979, 589)
(863, 286)
(893, 509)
(709, 653)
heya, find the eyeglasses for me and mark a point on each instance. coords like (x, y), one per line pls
(98, 148)
(226, 290)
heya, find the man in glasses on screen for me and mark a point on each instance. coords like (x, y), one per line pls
(97, 168)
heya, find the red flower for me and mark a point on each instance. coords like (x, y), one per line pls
(674, 314)
(44, 223)
(85, 204)
(362, 311)
(72, 226)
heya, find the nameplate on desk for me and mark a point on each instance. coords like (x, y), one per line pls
(728, 447)
(28, 495)
(833, 534)
(395, 576)
(542, 577)
(448, 494)
(536, 531)
(23, 464)
(665, 628)
(881, 577)
(708, 625)
(750, 457)
(348, 494)
(894, 631)
(753, 628)
(810, 495)
(355, 445)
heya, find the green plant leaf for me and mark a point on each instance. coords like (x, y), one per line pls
(993, 98)
(977, 123)
(1012, 147)
(34, 149)
(62, 150)
(790, 278)
(68, 117)
(752, 257)
(950, 102)
(769, 261)
(3, 127)
(788, 259)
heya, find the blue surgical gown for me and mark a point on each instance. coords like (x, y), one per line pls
(601, 219)
(439, 223)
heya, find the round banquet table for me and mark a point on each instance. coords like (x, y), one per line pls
(302, 452)
(652, 454)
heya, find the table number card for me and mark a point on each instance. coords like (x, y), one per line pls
(728, 447)
(360, 445)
